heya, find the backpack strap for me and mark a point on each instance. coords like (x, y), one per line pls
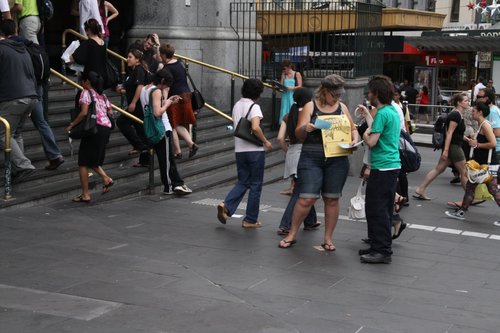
(150, 100)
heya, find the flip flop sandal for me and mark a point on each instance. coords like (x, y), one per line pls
(401, 228)
(398, 204)
(420, 197)
(287, 244)
(453, 204)
(105, 188)
(80, 199)
(328, 247)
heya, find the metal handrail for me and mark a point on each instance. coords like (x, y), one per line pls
(8, 166)
(123, 60)
(79, 87)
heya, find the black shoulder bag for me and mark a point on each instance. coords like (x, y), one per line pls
(86, 127)
(197, 100)
(244, 130)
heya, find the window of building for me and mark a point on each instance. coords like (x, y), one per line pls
(455, 11)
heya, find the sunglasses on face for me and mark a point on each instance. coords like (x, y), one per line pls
(478, 96)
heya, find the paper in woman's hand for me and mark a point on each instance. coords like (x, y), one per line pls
(322, 124)
(70, 50)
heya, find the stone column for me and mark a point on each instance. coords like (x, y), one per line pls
(202, 32)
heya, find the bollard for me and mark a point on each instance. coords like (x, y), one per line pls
(273, 111)
(151, 185)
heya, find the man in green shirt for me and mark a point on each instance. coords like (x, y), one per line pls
(29, 20)
(383, 139)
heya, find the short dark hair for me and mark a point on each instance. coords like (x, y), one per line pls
(302, 96)
(485, 109)
(382, 87)
(8, 27)
(252, 88)
(490, 95)
(163, 76)
(480, 79)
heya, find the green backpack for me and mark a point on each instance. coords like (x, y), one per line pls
(153, 126)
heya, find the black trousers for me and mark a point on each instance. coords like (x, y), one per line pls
(379, 205)
(133, 131)
(402, 188)
(170, 177)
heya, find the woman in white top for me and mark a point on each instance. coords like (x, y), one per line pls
(156, 90)
(250, 159)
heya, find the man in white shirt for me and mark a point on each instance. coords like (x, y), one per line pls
(5, 10)
(480, 85)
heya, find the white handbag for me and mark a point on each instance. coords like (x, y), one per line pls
(356, 209)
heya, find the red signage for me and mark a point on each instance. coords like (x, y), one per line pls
(443, 60)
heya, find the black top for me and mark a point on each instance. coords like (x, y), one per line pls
(136, 77)
(481, 155)
(315, 136)
(92, 56)
(180, 84)
(458, 135)
(411, 94)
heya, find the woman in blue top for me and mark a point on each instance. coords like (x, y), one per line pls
(292, 80)
(383, 139)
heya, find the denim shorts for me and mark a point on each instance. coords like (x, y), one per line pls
(319, 175)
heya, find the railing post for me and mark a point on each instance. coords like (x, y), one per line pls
(151, 184)
(232, 91)
(8, 175)
(8, 166)
(273, 111)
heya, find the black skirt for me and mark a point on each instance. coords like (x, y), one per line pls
(93, 148)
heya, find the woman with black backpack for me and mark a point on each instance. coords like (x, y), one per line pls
(452, 152)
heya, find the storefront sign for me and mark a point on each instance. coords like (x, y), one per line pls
(443, 60)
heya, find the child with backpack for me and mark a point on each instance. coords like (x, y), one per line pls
(158, 131)
(452, 152)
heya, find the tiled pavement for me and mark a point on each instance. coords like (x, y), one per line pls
(150, 265)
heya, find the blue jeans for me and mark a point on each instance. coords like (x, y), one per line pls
(250, 167)
(286, 219)
(48, 141)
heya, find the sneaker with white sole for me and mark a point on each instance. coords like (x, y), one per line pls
(168, 192)
(182, 190)
(458, 214)
(496, 223)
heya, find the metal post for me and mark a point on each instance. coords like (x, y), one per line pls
(8, 166)
(232, 91)
(273, 111)
(151, 185)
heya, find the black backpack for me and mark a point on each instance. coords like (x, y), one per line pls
(40, 60)
(408, 153)
(439, 132)
(45, 9)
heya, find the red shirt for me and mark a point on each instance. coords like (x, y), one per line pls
(424, 99)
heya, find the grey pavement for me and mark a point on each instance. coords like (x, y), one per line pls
(161, 265)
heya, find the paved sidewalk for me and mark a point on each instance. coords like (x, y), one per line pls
(167, 265)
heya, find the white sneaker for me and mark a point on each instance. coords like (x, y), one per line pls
(496, 223)
(458, 214)
(182, 190)
(168, 192)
